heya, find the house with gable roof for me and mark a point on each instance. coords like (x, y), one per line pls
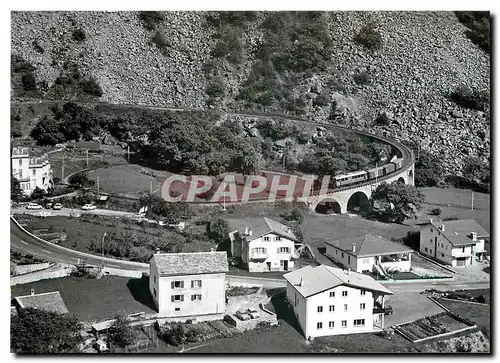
(330, 301)
(369, 254)
(187, 285)
(47, 301)
(456, 242)
(263, 244)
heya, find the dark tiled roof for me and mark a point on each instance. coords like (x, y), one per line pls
(368, 245)
(190, 263)
(458, 231)
(261, 226)
(48, 301)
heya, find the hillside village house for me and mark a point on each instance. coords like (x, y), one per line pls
(31, 172)
(187, 285)
(263, 245)
(456, 242)
(332, 301)
(48, 301)
(369, 254)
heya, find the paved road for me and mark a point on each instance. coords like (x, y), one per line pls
(74, 212)
(23, 242)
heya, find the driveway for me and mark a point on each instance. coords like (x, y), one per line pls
(409, 306)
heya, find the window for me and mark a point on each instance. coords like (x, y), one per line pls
(196, 297)
(463, 249)
(259, 250)
(332, 293)
(442, 254)
(277, 238)
(154, 279)
(332, 307)
(284, 250)
(267, 238)
(359, 322)
(336, 252)
(342, 254)
(33, 172)
(345, 307)
(331, 324)
(430, 241)
(195, 283)
(320, 309)
(349, 260)
(363, 292)
(319, 325)
(432, 230)
(362, 306)
(177, 284)
(20, 162)
(430, 251)
(344, 293)
(344, 323)
(177, 298)
(425, 249)
(177, 309)
(154, 291)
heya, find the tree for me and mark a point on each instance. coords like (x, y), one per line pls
(38, 193)
(428, 170)
(121, 332)
(47, 132)
(399, 200)
(79, 180)
(36, 331)
(16, 193)
(475, 169)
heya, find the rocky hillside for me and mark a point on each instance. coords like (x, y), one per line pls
(390, 71)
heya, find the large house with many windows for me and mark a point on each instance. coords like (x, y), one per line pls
(187, 285)
(31, 172)
(263, 245)
(456, 242)
(330, 301)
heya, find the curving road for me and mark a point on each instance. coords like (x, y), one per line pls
(23, 242)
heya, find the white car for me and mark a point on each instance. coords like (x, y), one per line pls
(33, 206)
(89, 207)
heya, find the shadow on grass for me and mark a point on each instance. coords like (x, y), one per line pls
(487, 270)
(283, 309)
(139, 288)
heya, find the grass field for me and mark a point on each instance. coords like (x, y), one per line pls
(95, 299)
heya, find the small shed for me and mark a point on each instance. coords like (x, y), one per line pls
(102, 327)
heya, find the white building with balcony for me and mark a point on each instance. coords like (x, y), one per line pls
(263, 245)
(189, 285)
(369, 254)
(330, 301)
(31, 172)
(456, 242)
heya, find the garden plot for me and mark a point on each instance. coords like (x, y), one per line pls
(434, 326)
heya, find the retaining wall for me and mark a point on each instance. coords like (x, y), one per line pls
(25, 269)
(37, 276)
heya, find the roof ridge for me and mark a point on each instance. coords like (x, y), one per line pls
(42, 293)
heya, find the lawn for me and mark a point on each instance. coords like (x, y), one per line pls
(479, 314)
(99, 299)
(85, 231)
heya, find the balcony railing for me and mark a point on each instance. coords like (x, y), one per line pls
(258, 255)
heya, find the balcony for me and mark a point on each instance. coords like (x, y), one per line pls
(258, 255)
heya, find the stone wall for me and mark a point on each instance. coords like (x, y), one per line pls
(24, 269)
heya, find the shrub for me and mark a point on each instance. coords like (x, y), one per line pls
(450, 218)
(79, 35)
(369, 37)
(321, 100)
(215, 88)
(91, 87)
(362, 78)
(150, 19)
(471, 98)
(28, 81)
(161, 43)
(435, 212)
(481, 299)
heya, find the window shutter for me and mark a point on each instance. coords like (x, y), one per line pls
(182, 284)
(182, 297)
(192, 284)
(201, 283)
(173, 286)
(278, 250)
(173, 298)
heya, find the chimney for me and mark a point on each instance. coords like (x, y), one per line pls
(354, 247)
(249, 232)
(430, 220)
(301, 282)
(441, 227)
(474, 236)
(32, 292)
(246, 231)
(157, 251)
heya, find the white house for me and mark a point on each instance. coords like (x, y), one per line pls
(187, 285)
(456, 242)
(369, 254)
(31, 172)
(330, 301)
(263, 244)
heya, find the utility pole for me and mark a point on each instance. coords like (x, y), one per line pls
(472, 201)
(150, 187)
(87, 155)
(376, 174)
(103, 236)
(128, 153)
(98, 187)
(62, 170)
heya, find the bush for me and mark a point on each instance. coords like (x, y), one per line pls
(216, 88)
(91, 87)
(369, 37)
(481, 299)
(435, 212)
(28, 81)
(383, 120)
(161, 43)
(362, 78)
(79, 35)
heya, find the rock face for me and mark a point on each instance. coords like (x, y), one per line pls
(424, 57)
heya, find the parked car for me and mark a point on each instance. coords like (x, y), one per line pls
(254, 314)
(388, 310)
(101, 346)
(242, 315)
(49, 205)
(89, 207)
(57, 206)
(33, 206)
